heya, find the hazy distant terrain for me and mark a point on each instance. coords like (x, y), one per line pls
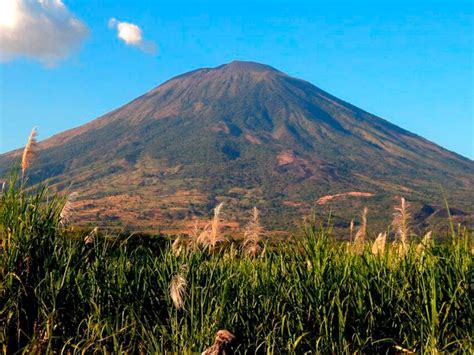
(249, 135)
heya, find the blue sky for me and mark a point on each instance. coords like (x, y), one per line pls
(408, 62)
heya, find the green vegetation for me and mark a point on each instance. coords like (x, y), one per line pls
(63, 293)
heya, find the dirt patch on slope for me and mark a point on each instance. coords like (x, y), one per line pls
(325, 199)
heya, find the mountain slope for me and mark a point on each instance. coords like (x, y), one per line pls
(247, 134)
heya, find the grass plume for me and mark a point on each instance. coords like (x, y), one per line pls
(359, 239)
(210, 235)
(425, 243)
(29, 152)
(252, 235)
(177, 246)
(204, 236)
(68, 209)
(215, 235)
(400, 223)
(177, 290)
(378, 247)
(89, 239)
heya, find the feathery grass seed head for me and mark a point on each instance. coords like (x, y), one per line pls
(214, 234)
(252, 235)
(177, 290)
(400, 223)
(378, 247)
(177, 246)
(89, 239)
(29, 152)
(401, 219)
(359, 239)
(68, 209)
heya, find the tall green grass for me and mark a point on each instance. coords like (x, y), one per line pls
(59, 294)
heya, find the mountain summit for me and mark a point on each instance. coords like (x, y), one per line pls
(250, 135)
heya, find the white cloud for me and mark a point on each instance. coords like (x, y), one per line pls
(40, 29)
(131, 34)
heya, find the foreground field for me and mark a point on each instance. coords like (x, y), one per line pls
(63, 293)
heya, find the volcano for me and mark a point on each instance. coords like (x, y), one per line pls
(249, 135)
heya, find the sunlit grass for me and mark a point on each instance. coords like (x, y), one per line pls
(61, 292)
